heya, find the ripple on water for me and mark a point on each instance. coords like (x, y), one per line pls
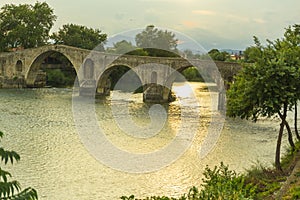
(38, 123)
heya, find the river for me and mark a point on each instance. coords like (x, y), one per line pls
(39, 125)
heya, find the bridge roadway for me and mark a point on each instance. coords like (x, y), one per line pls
(156, 74)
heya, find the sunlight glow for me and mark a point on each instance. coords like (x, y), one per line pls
(183, 90)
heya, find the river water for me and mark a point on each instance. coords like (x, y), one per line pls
(39, 125)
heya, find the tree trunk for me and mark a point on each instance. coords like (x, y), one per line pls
(279, 139)
(290, 135)
(295, 122)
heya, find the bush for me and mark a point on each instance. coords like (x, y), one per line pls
(219, 183)
(222, 183)
(59, 78)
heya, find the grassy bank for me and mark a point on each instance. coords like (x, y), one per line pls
(259, 182)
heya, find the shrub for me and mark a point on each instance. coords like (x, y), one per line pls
(219, 183)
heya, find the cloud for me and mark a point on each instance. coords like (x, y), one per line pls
(204, 12)
(190, 24)
(172, 1)
(119, 16)
(235, 17)
(259, 21)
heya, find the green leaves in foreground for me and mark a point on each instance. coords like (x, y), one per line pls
(222, 183)
(12, 189)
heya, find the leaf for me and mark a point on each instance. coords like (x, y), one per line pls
(9, 155)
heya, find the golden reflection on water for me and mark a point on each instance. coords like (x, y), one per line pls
(39, 125)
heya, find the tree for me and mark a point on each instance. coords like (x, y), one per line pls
(250, 54)
(80, 36)
(12, 189)
(125, 47)
(157, 42)
(25, 25)
(292, 44)
(215, 54)
(121, 47)
(268, 87)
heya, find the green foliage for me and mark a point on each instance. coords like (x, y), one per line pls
(121, 47)
(80, 36)
(270, 83)
(263, 89)
(125, 47)
(192, 74)
(219, 183)
(59, 78)
(270, 86)
(222, 183)
(266, 180)
(295, 193)
(251, 54)
(289, 156)
(150, 198)
(157, 42)
(215, 54)
(12, 189)
(138, 52)
(25, 25)
(155, 52)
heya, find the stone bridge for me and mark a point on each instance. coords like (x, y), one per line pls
(156, 74)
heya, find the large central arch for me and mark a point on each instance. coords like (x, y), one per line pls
(34, 72)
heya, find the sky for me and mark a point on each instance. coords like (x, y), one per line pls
(221, 24)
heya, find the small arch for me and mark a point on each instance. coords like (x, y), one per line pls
(19, 66)
(88, 69)
(154, 77)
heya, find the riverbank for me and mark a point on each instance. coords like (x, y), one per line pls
(272, 184)
(258, 183)
(291, 187)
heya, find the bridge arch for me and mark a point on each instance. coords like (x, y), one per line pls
(126, 74)
(171, 79)
(32, 58)
(34, 72)
(207, 75)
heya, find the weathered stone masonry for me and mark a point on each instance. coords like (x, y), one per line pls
(22, 69)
